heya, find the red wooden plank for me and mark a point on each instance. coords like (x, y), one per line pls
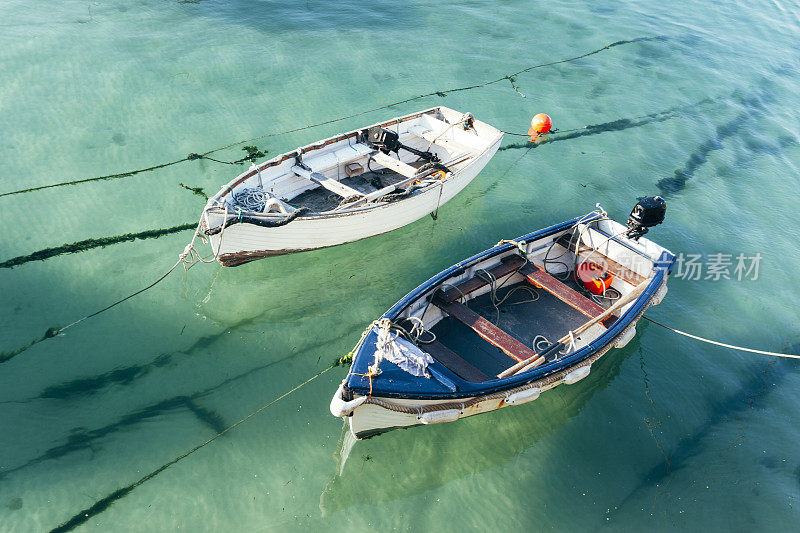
(491, 333)
(508, 265)
(541, 279)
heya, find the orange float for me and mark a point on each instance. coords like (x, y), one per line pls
(541, 123)
(594, 278)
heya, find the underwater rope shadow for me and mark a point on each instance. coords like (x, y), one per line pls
(763, 379)
(88, 386)
(755, 101)
(89, 244)
(82, 439)
(677, 182)
(251, 157)
(619, 124)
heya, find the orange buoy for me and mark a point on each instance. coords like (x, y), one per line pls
(594, 278)
(541, 123)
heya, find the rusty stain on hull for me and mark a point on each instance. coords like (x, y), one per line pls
(239, 258)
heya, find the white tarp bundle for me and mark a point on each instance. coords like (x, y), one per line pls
(402, 352)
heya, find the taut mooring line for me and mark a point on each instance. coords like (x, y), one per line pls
(104, 503)
(724, 345)
(55, 331)
(252, 156)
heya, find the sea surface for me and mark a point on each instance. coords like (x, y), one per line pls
(666, 433)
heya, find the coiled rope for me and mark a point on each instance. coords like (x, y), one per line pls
(101, 505)
(251, 156)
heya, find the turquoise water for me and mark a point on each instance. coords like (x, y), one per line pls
(665, 433)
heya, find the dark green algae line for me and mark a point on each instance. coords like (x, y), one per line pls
(89, 244)
(254, 153)
(620, 124)
(101, 178)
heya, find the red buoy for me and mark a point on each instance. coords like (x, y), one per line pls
(541, 123)
(594, 278)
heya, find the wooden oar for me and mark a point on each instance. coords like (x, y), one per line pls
(527, 364)
(622, 302)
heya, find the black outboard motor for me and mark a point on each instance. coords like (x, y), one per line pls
(648, 212)
(389, 141)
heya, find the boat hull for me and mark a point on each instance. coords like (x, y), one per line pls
(378, 415)
(241, 243)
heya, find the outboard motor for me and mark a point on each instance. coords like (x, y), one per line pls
(383, 139)
(648, 212)
(389, 141)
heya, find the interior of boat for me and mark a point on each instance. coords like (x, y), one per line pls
(513, 313)
(352, 170)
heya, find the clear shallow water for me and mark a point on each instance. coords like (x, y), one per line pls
(664, 433)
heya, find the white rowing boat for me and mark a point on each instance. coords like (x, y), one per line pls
(348, 187)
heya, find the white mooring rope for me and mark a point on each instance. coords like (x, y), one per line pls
(717, 343)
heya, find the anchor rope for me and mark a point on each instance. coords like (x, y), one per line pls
(724, 345)
(101, 505)
(55, 331)
(189, 257)
(88, 244)
(252, 155)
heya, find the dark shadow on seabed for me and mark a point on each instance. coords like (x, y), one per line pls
(83, 439)
(88, 386)
(288, 306)
(755, 108)
(620, 124)
(371, 473)
(763, 378)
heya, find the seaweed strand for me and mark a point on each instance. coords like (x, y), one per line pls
(254, 153)
(88, 244)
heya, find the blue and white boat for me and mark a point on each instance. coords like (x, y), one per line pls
(507, 324)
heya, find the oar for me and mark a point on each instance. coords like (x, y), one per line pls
(522, 366)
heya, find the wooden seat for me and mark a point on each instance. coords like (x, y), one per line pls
(331, 184)
(394, 164)
(541, 279)
(508, 265)
(454, 362)
(488, 331)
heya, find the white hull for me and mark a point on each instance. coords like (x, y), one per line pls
(321, 231)
(242, 242)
